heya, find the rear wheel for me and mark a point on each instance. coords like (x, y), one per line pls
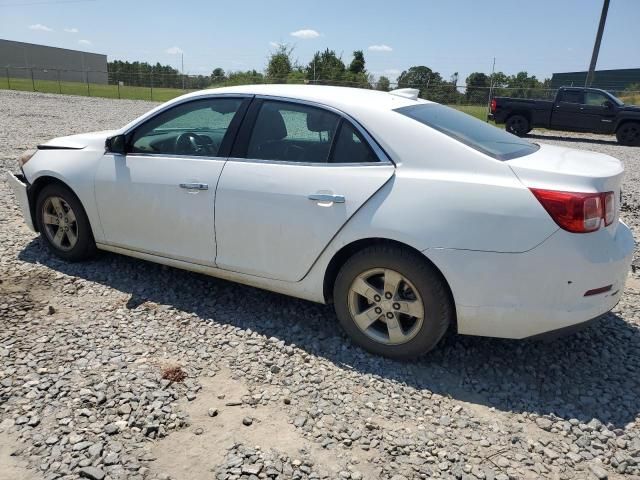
(629, 134)
(518, 125)
(63, 223)
(391, 302)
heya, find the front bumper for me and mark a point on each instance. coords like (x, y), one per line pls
(19, 187)
(521, 295)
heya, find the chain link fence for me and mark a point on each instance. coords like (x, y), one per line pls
(162, 87)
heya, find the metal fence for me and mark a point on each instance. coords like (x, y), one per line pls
(164, 86)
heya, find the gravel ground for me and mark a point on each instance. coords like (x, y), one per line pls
(92, 354)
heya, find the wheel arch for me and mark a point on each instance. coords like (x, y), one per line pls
(624, 121)
(36, 187)
(523, 113)
(347, 251)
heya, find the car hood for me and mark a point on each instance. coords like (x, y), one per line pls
(561, 168)
(631, 108)
(76, 142)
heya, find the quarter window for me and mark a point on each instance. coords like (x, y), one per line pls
(292, 133)
(350, 147)
(194, 128)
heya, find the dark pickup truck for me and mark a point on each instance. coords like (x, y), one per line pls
(574, 109)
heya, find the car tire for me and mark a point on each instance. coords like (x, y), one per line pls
(517, 125)
(629, 134)
(404, 335)
(63, 224)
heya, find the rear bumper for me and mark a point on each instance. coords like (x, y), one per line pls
(543, 290)
(19, 186)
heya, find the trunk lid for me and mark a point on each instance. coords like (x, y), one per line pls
(569, 170)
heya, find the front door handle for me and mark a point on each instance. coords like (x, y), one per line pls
(326, 197)
(195, 186)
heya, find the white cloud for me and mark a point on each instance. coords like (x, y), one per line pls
(174, 51)
(71, 30)
(275, 44)
(40, 27)
(305, 34)
(380, 48)
(392, 71)
(85, 42)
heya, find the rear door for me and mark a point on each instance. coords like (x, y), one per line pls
(297, 174)
(567, 112)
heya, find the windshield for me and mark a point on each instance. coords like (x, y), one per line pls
(475, 133)
(615, 99)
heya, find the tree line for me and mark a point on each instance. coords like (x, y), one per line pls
(328, 68)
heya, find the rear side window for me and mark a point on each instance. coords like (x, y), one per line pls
(350, 147)
(292, 133)
(475, 133)
(571, 96)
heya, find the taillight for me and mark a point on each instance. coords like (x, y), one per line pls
(577, 212)
(494, 105)
(609, 208)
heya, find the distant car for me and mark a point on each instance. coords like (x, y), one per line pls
(575, 110)
(411, 217)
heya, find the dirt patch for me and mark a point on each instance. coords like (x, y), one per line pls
(197, 451)
(12, 468)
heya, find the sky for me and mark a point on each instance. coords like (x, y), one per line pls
(538, 36)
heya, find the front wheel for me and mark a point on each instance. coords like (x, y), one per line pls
(391, 302)
(518, 125)
(63, 224)
(629, 134)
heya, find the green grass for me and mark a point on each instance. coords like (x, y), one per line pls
(92, 89)
(141, 93)
(478, 111)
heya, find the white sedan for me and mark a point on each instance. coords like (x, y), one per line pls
(409, 216)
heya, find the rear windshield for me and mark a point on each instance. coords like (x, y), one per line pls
(475, 133)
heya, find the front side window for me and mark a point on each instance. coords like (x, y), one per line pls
(475, 133)
(595, 99)
(292, 133)
(194, 128)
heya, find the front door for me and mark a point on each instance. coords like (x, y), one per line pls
(159, 197)
(599, 112)
(305, 172)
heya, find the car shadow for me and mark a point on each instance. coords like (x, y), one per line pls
(580, 376)
(562, 138)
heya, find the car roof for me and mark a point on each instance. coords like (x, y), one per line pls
(342, 98)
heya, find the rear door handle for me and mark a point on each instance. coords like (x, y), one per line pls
(195, 186)
(325, 197)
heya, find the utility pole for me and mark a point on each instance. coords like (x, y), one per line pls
(596, 46)
(182, 69)
(493, 71)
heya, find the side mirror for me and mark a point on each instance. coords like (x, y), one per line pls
(608, 104)
(116, 144)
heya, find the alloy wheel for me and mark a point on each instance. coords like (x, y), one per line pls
(60, 224)
(386, 306)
